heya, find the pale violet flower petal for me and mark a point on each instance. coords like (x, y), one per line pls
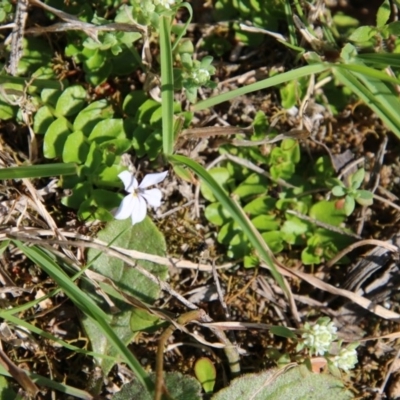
(153, 197)
(126, 207)
(152, 179)
(129, 181)
(139, 211)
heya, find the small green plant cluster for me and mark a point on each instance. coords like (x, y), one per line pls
(243, 11)
(6, 11)
(373, 36)
(268, 205)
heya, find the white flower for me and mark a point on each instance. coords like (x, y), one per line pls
(346, 359)
(320, 337)
(201, 76)
(134, 205)
(164, 3)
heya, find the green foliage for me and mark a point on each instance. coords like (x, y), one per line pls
(269, 214)
(206, 374)
(141, 237)
(243, 11)
(180, 387)
(295, 384)
(351, 193)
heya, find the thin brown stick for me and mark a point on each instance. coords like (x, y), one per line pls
(196, 315)
(366, 242)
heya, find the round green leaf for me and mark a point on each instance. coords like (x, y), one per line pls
(326, 211)
(221, 175)
(55, 138)
(216, 214)
(43, 119)
(206, 373)
(338, 191)
(95, 112)
(71, 101)
(255, 184)
(266, 223)
(76, 148)
(274, 241)
(108, 129)
(260, 205)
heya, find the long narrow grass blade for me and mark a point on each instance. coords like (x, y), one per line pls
(184, 29)
(266, 83)
(392, 59)
(38, 171)
(34, 329)
(87, 306)
(236, 213)
(376, 94)
(61, 387)
(167, 85)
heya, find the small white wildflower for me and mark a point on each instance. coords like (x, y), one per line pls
(201, 76)
(164, 3)
(346, 359)
(320, 337)
(134, 205)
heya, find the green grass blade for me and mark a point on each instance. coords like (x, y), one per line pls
(266, 83)
(376, 94)
(32, 328)
(369, 72)
(290, 24)
(392, 59)
(36, 83)
(38, 171)
(87, 306)
(184, 29)
(236, 213)
(61, 387)
(167, 85)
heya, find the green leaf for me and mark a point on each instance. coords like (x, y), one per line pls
(71, 101)
(357, 178)
(253, 185)
(260, 205)
(274, 240)
(142, 320)
(180, 387)
(294, 230)
(282, 331)
(216, 214)
(364, 197)
(297, 383)
(7, 111)
(55, 138)
(76, 148)
(326, 211)
(206, 373)
(338, 191)
(108, 129)
(383, 14)
(349, 205)
(80, 193)
(221, 175)
(141, 237)
(95, 112)
(42, 119)
(133, 101)
(266, 223)
(393, 28)
(363, 34)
